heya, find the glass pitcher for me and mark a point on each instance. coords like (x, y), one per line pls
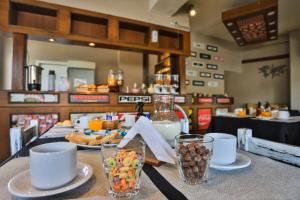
(165, 120)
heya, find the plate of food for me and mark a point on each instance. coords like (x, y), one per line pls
(93, 141)
(64, 124)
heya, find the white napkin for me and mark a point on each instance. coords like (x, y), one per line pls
(157, 144)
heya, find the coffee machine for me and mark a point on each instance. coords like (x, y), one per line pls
(33, 74)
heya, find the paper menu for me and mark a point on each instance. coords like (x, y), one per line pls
(156, 143)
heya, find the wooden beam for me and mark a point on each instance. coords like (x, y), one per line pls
(19, 60)
(146, 68)
(181, 72)
(261, 59)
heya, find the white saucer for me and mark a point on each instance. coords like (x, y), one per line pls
(20, 185)
(242, 161)
(88, 146)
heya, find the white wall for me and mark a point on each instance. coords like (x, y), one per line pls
(232, 62)
(249, 86)
(295, 69)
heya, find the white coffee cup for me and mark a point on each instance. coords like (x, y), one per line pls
(84, 121)
(283, 114)
(224, 148)
(129, 120)
(53, 165)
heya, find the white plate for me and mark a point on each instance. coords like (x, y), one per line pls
(88, 146)
(265, 118)
(20, 185)
(242, 161)
(64, 126)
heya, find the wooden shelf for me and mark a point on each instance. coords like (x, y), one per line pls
(90, 26)
(32, 16)
(170, 40)
(133, 33)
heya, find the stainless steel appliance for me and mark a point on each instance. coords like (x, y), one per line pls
(33, 74)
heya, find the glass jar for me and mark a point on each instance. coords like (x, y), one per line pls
(165, 120)
(193, 152)
(123, 167)
(120, 78)
(159, 79)
(112, 81)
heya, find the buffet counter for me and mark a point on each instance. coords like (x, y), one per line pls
(52, 107)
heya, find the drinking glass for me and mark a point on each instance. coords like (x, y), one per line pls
(193, 153)
(123, 166)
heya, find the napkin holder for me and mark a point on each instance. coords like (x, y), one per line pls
(160, 149)
(278, 151)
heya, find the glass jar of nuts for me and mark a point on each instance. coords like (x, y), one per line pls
(193, 152)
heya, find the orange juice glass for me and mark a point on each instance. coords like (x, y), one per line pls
(95, 124)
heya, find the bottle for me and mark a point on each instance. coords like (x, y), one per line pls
(51, 80)
(258, 110)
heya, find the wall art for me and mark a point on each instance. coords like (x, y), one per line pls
(205, 74)
(199, 45)
(212, 66)
(219, 76)
(198, 83)
(205, 56)
(213, 84)
(198, 64)
(218, 58)
(211, 48)
(191, 73)
(272, 70)
(193, 54)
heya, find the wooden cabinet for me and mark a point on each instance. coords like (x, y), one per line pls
(32, 16)
(36, 18)
(90, 26)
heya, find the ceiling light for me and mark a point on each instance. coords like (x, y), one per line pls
(238, 38)
(51, 40)
(241, 43)
(234, 31)
(272, 31)
(273, 37)
(229, 24)
(192, 11)
(92, 44)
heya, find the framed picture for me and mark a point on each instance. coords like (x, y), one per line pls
(212, 66)
(45, 120)
(191, 73)
(205, 56)
(199, 45)
(213, 84)
(211, 48)
(198, 64)
(219, 76)
(89, 98)
(33, 98)
(218, 58)
(133, 99)
(193, 54)
(198, 83)
(205, 74)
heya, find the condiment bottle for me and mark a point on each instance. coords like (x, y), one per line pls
(51, 80)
